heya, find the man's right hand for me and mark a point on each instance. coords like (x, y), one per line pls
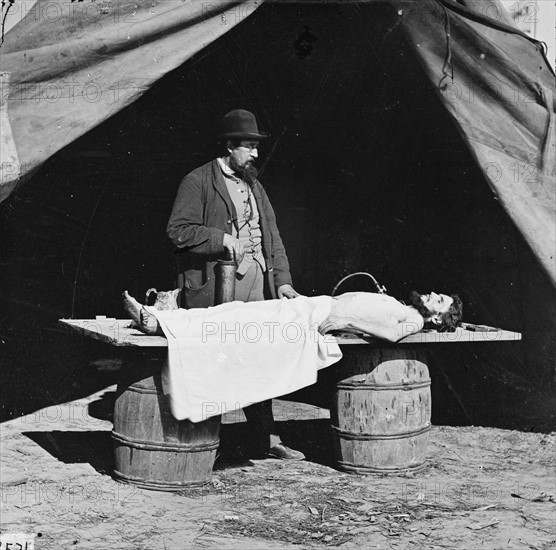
(234, 247)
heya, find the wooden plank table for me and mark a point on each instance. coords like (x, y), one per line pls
(380, 416)
(118, 333)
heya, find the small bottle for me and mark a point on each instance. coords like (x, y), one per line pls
(225, 288)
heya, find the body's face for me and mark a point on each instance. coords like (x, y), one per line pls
(436, 303)
(437, 310)
(244, 154)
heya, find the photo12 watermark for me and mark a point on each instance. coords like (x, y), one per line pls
(70, 91)
(256, 332)
(38, 492)
(474, 494)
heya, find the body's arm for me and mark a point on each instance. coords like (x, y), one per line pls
(392, 334)
(396, 333)
(185, 226)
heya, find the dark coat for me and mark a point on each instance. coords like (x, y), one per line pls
(203, 211)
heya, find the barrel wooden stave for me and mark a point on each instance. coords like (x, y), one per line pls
(382, 411)
(152, 449)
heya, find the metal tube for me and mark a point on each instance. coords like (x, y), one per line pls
(381, 289)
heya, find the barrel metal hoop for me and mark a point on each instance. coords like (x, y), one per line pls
(164, 446)
(369, 437)
(141, 389)
(382, 387)
(155, 485)
(353, 468)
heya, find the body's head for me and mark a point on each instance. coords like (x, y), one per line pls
(241, 136)
(439, 311)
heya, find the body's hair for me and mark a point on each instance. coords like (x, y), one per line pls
(449, 320)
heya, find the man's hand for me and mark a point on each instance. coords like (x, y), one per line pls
(287, 291)
(234, 248)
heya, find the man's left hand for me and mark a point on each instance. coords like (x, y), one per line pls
(287, 291)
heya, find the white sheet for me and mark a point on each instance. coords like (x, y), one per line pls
(226, 357)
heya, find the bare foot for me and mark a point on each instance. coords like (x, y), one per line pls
(149, 323)
(132, 307)
(144, 321)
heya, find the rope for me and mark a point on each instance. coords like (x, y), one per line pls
(447, 67)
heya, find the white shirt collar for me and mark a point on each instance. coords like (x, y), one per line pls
(225, 168)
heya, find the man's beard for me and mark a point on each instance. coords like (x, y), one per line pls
(416, 302)
(248, 172)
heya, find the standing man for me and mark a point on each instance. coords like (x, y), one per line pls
(221, 211)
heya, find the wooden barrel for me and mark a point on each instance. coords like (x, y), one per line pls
(152, 449)
(382, 411)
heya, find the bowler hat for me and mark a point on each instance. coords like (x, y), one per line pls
(241, 124)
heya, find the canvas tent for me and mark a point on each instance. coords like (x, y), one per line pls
(67, 67)
(370, 173)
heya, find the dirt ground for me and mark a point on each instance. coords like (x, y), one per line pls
(482, 488)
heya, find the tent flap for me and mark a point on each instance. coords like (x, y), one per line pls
(72, 65)
(503, 109)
